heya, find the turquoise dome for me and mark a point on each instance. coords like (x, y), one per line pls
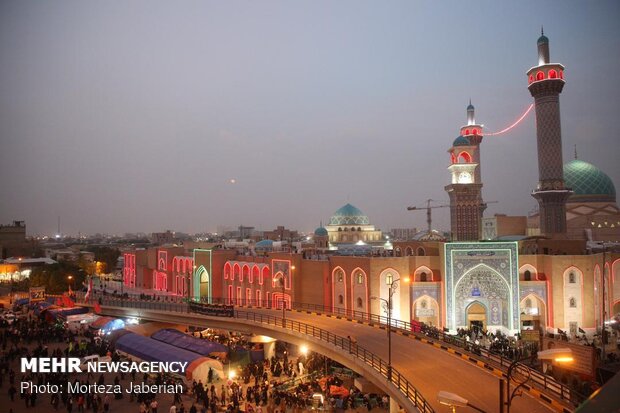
(588, 182)
(349, 215)
(320, 232)
(266, 243)
(461, 141)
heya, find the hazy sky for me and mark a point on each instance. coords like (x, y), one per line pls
(133, 116)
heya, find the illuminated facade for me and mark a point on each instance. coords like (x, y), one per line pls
(465, 190)
(536, 283)
(546, 82)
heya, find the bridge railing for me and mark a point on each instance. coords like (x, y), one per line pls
(371, 359)
(543, 381)
(547, 383)
(374, 361)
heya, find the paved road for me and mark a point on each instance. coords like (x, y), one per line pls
(428, 368)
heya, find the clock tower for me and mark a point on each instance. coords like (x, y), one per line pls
(465, 190)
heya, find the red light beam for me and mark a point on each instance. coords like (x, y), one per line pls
(514, 124)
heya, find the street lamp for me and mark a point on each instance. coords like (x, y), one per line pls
(388, 302)
(454, 401)
(70, 278)
(559, 355)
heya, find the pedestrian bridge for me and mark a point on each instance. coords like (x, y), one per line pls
(419, 371)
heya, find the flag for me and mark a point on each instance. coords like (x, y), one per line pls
(97, 308)
(90, 286)
(67, 301)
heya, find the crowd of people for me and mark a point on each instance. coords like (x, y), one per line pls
(258, 387)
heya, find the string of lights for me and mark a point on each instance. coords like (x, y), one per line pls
(513, 125)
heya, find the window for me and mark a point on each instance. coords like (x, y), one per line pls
(527, 276)
(340, 299)
(420, 252)
(423, 277)
(528, 303)
(340, 276)
(360, 278)
(572, 303)
(360, 302)
(389, 278)
(571, 277)
(553, 74)
(540, 75)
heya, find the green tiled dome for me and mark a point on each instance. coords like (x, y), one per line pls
(320, 232)
(461, 141)
(349, 215)
(588, 182)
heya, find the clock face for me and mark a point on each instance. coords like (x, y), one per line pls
(465, 178)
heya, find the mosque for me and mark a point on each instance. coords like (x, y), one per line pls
(556, 270)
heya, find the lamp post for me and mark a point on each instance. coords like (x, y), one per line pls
(454, 400)
(70, 278)
(388, 302)
(559, 355)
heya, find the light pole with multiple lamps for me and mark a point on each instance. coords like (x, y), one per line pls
(452, 400)
(559, 355)
(388, 302)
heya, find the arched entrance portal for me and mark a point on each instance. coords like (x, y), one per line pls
(425, 309)
(533, 313)
(476, 315)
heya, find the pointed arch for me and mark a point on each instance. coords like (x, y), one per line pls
(236, 271)
(423, 270)
(540, 310)
(388, 277)
(533, 273)
(227, 270)
(339, 288)
(408, 252)
(254, 274)
(499, 279)
(359, 289)
(425, 309)
(245, 271)
(265, 273)
(464, 157)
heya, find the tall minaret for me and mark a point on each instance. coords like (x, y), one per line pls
(545, 84)
(465, 191)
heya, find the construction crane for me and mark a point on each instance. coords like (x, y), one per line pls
(428, 207)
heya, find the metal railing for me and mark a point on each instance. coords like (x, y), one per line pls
(375, 362)
(542, 381)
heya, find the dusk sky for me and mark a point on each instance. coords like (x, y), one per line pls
(133, 116)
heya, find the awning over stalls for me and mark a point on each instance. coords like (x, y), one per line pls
(53, 313)
(100, 322)
(187, 342)
(64, 312)
(148, 349)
